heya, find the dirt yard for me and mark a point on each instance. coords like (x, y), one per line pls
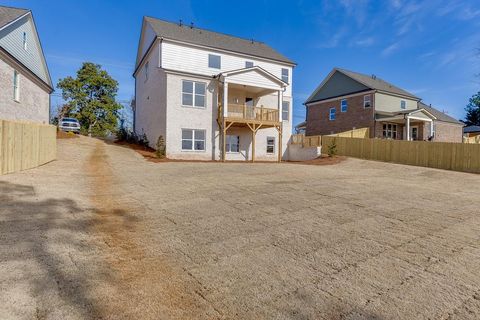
(102, 233)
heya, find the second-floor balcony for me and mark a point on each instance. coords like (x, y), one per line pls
(246, 113)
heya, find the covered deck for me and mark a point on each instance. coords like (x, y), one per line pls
(246, 102)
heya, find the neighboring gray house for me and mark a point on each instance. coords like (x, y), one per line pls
(212, 96)
(346, 100)
(25, 84)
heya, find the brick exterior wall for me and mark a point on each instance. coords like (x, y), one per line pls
(34, 101)
(357, 116)
(448, 132)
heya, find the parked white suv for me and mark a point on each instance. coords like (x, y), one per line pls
(69, 124)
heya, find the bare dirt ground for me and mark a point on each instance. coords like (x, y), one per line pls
(103, 233)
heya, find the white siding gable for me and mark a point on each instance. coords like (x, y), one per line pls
(11, 39)
(192, 59)
(253, 78)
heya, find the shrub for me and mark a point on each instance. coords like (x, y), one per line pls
(332, 148)
(126, 135)
(160, 148)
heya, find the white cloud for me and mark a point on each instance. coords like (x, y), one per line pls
(334, 41)
(390, 49)
(358, 9)
(364, 42)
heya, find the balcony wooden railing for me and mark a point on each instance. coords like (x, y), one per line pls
(244, 112)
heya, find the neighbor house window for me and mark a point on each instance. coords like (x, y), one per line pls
(233, 144)
(146, 71)
(403, 104)
(367, 101)
(270, 145)
(285, 75)
(16, 86)
(344, 105)
(285, 110)
(193, 140)
(214, 61)
(389, 131)
(332, 114)
(24, 41)
(248, 64)
(193, 94)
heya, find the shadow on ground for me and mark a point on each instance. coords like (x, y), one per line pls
(59, 261)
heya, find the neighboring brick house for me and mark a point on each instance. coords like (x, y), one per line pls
(25, 83)
(348, 100)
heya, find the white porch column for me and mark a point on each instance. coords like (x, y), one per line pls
(225, 99)
(280, 102)
(408, 128)
(431, 128)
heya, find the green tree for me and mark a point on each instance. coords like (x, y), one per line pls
(91, 99)
(473, 111)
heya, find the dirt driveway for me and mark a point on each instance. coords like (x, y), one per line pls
(103, 234)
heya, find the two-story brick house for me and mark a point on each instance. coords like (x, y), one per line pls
(211, 96)
(346, 100)
(25, 83)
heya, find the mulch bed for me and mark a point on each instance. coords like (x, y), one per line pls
(66, 135)
(150, 155)
(322, 161)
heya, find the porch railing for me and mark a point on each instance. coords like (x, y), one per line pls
(244, 112)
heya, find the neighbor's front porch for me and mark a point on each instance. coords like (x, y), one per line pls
(411, 126)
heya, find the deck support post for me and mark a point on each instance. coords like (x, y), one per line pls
(224, 138)
(280, 136)
(225, 115)
(254, 134)
(280, 126)
(408, 128)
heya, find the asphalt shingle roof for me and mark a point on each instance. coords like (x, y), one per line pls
(471, 129)
(8, 14)
(208, 38)
(439, 114)
(376, 83)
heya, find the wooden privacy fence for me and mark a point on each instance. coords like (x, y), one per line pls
(355, 133)
(310, 141)
(316, 141)
(441, 155)
(26, 145)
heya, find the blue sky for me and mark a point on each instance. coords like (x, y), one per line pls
(426, 47)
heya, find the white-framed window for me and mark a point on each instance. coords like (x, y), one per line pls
(389, 131)
(16, 86)
(285, 110)
(214, 61)
(248, 64)
(270, 145)
(233, 144)
(343, 105)
(403, 104)
(193, 94)
(285, 75)
(193, 139)
(24, 41)
(332, 115)
(146, 70)
(367, 101)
